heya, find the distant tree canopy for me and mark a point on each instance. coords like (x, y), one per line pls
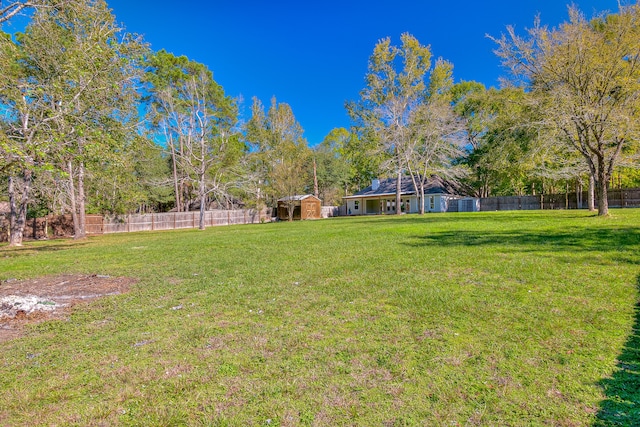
(93, 121)
(405, 111)
(584, 82)
(70, 96)
(281, 156)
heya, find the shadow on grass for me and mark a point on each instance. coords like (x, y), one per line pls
(463, 217)
(576, 239)
(41, 246)
(622, 404)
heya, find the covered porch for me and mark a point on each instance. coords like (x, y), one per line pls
(379, 205)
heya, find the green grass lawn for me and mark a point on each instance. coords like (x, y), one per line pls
(483, 319)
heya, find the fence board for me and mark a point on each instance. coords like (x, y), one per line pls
(626, 198)
(181, 220)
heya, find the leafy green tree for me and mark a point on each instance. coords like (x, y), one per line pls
(585, 78)
(24, 145)
(391, 96)
(165, 75)
(627, 177)
(76, 74)
(15, 7)
(473, 104)
(363, 158)
(151, 173)
(280, 155)
(393, 107)
(499, 146)
(332, 169)
(508, 149)
(405, 108)
(137, 182)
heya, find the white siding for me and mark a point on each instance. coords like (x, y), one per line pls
(415, 205)
(432, 203)
(355, 207)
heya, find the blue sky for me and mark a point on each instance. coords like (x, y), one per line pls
(313, 54)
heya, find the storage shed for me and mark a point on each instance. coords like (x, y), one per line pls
(304, 207)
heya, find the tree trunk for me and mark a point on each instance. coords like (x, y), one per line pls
(203, 201)
(421, 198)
(72, 198)
(591, 194)
(202, 211)
(315, 179)
(176, 186)
(290, 209)
(601, 184)
(578, 193)
(18, 200)
(81, 232)
(398, 192)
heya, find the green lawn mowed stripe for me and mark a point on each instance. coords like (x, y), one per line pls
(505, 318)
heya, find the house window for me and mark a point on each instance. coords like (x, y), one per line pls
(432, 202)
(391, 205)
(356, 205)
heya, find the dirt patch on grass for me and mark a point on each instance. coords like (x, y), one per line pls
(50, 297)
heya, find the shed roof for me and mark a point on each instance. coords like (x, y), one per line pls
(434, 185)
(298, 198)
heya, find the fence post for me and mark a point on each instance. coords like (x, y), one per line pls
(174, 220)
(152, 224)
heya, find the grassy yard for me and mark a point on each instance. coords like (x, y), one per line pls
(496, 319)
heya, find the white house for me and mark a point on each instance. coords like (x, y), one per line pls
(380, 198)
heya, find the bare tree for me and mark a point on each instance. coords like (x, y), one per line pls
(13, 8)
(197, 122)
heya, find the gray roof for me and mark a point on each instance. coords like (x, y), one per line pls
(296, 198)
(434, 185)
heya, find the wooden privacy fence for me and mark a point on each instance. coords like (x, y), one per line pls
(628, 198)
(57, 226)
(51, 226)
(331, 211)
(177, 220)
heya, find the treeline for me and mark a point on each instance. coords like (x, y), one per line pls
(93, 121)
